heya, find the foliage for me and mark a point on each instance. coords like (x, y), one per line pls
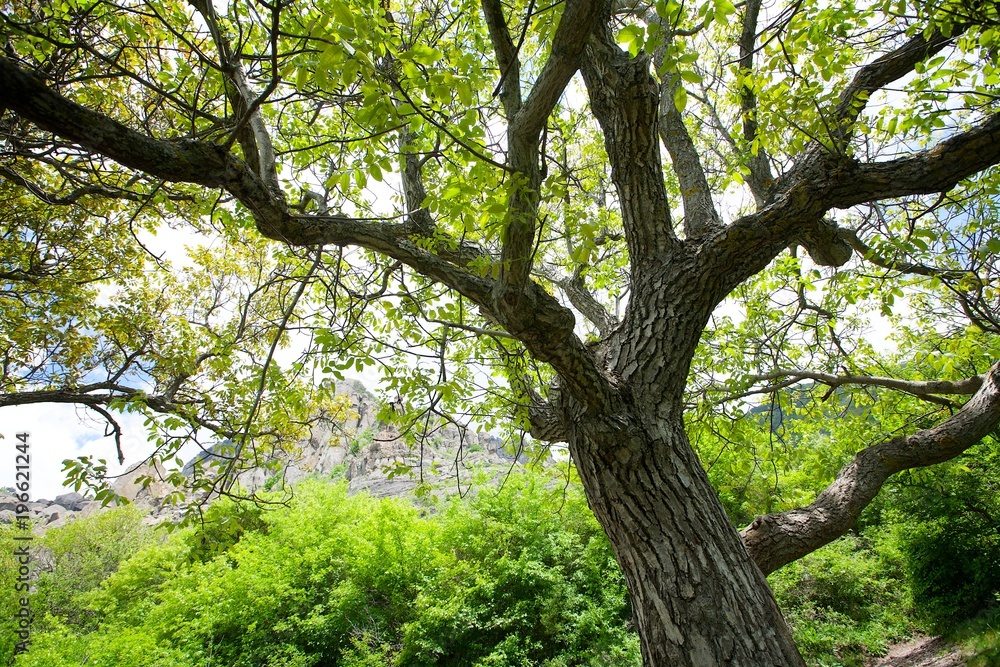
(73, 559)
(845, 602)
(10, 594)
(981, 638)
(947, 525)
(519, 575)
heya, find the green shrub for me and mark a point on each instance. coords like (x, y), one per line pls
(845, 602)
(76, 557)
(502, 579)
(946, 523)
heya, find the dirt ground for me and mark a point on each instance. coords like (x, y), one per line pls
(923, 652)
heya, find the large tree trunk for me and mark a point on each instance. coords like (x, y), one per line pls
(698, 599)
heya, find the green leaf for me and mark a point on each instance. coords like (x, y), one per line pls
(680, 99)
(424, 54)
(690, 76)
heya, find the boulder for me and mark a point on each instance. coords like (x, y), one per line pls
(73, 501)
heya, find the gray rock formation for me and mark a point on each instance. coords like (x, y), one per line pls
(44, 514)
(372, 456)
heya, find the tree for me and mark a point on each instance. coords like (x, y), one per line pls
(89, 317)
(516, 196)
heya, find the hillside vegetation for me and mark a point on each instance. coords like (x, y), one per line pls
(512, 575)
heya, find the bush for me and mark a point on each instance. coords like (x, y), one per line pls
(946, 522)
(75, 558)
(845, 602)
(503, 579)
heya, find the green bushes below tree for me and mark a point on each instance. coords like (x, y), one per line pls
(521, 576)
(516, 577)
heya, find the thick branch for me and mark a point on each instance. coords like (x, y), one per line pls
(546, 421)
(774, 540)
(507, 58)
(212, 166)
(523, 136)
(581, 298)
(625, 99)
(880, 73)
(796, 206)
(929, 389)
(827, 181)
(577, 22)
(250, 130)
(539, 321)
(700, 216)
(412, 178)
(182, 161)
(935, 170)
(761, 179)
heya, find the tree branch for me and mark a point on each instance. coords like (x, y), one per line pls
(412, 178)
(538, 320)
(546, 421)
(870, 255)
(71, 197)
(625, 99)
(577, 22)
(523, 134)
(507, 57)
(581, 298)
(937, 169)
(774, 540)
(761, 179)
(183, 160)
(700, 215)
(880, 73)
(249, 129)
(85, 396)
(825, 181)
(930, 389)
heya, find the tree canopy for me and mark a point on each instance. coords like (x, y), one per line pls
(508, 243)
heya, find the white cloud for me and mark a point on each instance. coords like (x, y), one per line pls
(59, 432)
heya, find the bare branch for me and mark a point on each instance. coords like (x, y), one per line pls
(929, 390)
(279, 333)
